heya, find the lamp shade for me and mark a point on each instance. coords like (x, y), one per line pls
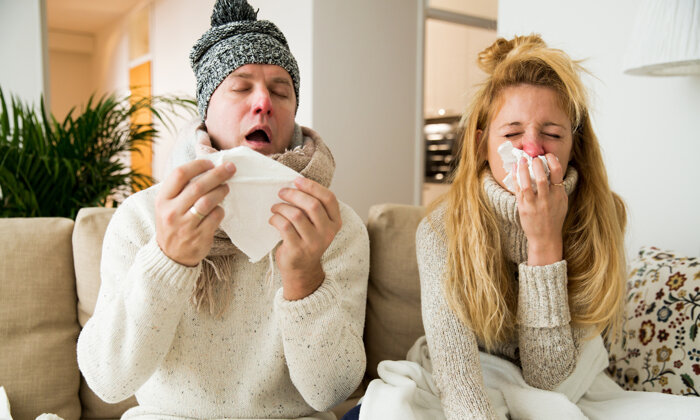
(665, 40)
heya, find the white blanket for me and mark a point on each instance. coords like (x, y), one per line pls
(405, 391)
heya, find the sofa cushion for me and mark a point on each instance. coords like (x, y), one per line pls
(38, 322)
(90, 226)
(658, 349)
(393, 321)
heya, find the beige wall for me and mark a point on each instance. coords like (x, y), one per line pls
(71, 81)
(482, 8)
(451, 72)
(366, 97)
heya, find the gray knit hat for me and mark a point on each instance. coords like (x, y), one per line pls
(237, 38)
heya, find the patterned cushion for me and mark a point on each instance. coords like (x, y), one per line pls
(658, 349)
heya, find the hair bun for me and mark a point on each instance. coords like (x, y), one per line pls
(227, 11)
(494, 54)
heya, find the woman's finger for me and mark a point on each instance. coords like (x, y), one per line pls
(525, 183)
(556, 172)
(540, 178)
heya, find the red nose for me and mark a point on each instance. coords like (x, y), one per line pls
(533, 149)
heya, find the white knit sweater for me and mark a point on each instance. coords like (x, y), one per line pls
(265, 358)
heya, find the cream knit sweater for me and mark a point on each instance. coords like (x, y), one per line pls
(266, 357)
(545, 345)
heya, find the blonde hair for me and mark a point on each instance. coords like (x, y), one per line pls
(479, 285)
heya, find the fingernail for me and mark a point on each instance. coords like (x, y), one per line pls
(230, 167)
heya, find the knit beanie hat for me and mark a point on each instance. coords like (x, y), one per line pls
(237, 38)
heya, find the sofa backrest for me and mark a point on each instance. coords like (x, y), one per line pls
(38, 323)
(393, 321)
(90, 227)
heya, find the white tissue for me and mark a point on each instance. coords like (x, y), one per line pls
(253, 191)
(511, 155)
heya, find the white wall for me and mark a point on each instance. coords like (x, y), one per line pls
(647, 126)
(111, 60)
(24, 69)
(365, 105)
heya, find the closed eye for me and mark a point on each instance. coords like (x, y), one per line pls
(556, 136)
(509, 135)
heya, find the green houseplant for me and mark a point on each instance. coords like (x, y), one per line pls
(50, 168)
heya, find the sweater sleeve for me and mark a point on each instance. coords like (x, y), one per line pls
(453, 348)
(141, 300)
(548, 351)
(322, 333)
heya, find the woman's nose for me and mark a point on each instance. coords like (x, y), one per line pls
(532, 145)
(262, 103)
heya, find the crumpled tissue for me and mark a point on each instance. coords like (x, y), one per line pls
(253, 190)
(511, 155)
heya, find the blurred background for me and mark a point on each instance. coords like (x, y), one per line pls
(385, 83)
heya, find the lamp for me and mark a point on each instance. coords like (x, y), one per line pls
(665, 39)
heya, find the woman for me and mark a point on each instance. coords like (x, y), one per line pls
(532, 275)
(527, 275)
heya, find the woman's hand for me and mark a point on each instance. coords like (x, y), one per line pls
(542, 214)
(308, 221)
(183, 234)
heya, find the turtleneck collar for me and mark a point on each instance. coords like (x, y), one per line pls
(505, 206)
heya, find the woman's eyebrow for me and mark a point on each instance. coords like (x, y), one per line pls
(514, 123)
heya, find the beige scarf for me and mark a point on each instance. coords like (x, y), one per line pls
(309, 156)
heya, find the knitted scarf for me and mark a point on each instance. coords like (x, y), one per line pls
(308, 155)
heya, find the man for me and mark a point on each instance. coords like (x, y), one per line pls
(183, 320)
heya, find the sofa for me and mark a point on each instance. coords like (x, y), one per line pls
(49, 281)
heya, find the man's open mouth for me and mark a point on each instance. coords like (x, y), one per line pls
(258, 135)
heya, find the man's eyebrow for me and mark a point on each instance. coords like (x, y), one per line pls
(281, 80)
(242, 75)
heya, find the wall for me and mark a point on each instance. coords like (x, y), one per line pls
(71, 72)
(647, 126)
(24, 69)
(365, 105)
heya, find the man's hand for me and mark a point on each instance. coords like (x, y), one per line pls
(183, 234)
(308, 221)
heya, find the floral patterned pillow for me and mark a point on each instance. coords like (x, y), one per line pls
(658, 349)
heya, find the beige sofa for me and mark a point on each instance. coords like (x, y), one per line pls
(49, 280)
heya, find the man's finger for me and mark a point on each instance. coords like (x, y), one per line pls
(312, 206)
(299, 219)
(204, 184)
(323, 194)
(182, 175)
(285, 228)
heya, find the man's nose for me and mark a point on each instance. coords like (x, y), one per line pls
(532, 145)
(262, 103)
